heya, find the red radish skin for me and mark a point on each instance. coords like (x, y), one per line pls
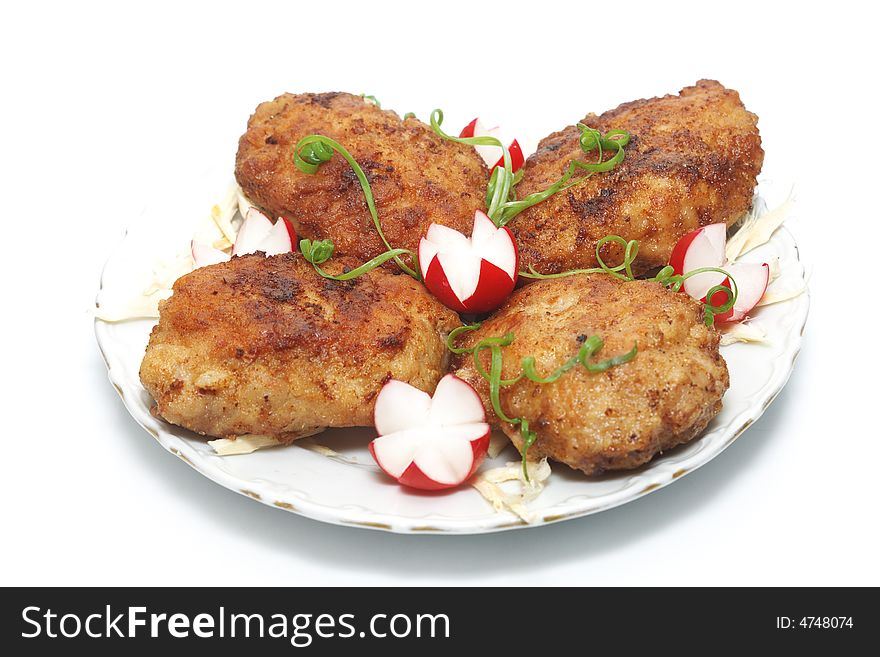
(676, 259)
(719, 299)
(494, 287)
(517, 159)
(438, 285)
(468, 131)
(493, 284)
(751, 279)
(705, 249)
(291, 232)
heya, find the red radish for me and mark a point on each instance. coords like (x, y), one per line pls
(476, 129)
(470, 129)
(517, 159)
(257, 233)
(751, 279)
(277, 240)
(469, 274)
(428, 442)
(704, 247)
(253, 229)
(204, 254)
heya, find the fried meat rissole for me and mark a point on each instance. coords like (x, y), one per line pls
(620, 418)
(417, 178)
(266, 346)
(692, 160)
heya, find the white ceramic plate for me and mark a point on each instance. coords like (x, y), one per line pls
(349, 489)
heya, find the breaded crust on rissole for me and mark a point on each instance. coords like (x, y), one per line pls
(692, 161)
(417, 178)
(266, 346)
(620, 418)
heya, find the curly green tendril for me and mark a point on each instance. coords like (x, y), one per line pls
(501, 200)
(318, 252)
(665, 276)
(590, 346)
(308, 155)
(673, 281)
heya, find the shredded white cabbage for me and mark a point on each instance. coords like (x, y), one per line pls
(744, 331)
(141, 307)
(243, 203)
(252, 442)
(488, 485)
(775, 268)
(783, 294)
(222, 215)
(242, 444)
(323, 450)
(165, 272)
(757, 228)
(218, 229)
(146, 304)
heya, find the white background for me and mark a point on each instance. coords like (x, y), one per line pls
(103, 105)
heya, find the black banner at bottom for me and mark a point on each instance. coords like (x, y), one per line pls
(519, 621)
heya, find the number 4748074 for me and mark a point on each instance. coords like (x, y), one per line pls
(826, 622)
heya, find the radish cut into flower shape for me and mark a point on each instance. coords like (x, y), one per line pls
(705, 247)
(428, 442)
(469, 274)
(490, 153)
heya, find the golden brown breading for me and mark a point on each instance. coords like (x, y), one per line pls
(417, 178)
(692, 161)
(266, 346)
(620, 418)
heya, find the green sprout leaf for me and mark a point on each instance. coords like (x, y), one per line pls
(316, 252)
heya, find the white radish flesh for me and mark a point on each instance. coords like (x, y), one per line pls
(443, 437)
(400, 406)
(254, 229)
(204, 255)
(276, 241)
(706, 250)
